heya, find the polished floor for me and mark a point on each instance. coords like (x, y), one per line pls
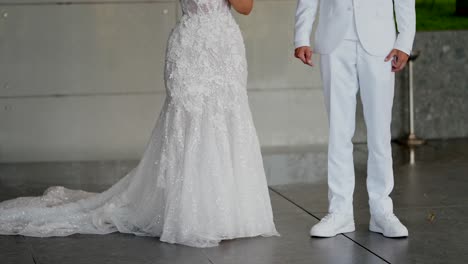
(430, 197)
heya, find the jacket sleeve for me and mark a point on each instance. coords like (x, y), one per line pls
(305, 17)
(406, 24)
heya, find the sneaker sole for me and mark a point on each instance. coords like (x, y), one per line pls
(347, 229)
(374, 228)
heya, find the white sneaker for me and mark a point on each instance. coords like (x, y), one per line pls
(333, 224)
(388, 225)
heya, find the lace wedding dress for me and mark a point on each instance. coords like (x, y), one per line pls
(201, 178)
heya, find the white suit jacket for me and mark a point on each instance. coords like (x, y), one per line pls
(375, 24)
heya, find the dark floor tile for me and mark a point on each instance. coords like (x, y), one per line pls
(294, 246)
(437, 235)
(432, 185)
(82, 174)
(113, 249)
(312, 197)
(430, 198)
(15, 250)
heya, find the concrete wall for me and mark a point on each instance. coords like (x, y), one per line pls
(441, 87)
(83, 80)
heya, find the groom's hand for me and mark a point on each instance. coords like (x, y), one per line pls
(304, 53)
(399, 59)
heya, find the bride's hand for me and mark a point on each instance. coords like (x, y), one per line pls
(304, 54)
(242, 6)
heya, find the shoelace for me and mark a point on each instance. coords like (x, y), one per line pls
(327, 218)
(390, 218)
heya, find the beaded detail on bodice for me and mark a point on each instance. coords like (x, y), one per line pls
(205, 7)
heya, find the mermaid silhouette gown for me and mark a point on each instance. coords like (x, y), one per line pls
(201, 178)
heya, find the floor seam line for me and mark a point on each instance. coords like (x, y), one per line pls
(207, 257)
(31, 251)
(344, 235)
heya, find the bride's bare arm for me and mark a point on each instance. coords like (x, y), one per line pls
(242, 6)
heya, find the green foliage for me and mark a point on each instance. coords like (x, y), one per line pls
(439, 15)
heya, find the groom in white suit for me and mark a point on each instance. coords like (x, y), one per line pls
(360, 49)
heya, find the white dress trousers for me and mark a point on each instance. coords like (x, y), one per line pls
(346, 70)
(353, 38)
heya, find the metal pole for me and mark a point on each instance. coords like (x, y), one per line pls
(411, 98)
(411, 140)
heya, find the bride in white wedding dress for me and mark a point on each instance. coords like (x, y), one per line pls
(201, 178)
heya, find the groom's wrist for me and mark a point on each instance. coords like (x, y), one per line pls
(404, 42)
(301, 43)
(403, 49)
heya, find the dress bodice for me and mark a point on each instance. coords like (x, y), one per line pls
(202, 7)
(206, 53)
